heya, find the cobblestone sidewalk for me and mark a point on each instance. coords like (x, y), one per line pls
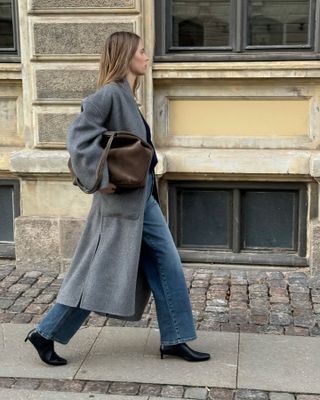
(222, 300)
(145, 389)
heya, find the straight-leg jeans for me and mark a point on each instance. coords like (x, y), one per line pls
(163, 271)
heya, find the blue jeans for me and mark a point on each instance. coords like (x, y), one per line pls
(163, 270)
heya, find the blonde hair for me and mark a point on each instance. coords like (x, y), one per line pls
(116, 55)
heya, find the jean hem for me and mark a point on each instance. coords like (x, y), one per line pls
(52, 338)
(177, 341)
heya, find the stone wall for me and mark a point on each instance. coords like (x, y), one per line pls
(61, 42)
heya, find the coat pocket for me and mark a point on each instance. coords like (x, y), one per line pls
(122, 205)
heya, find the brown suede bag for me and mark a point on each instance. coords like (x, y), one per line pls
(127, 157)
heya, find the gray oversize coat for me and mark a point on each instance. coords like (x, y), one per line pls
(104, 275)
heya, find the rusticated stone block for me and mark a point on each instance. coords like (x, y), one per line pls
(64, 84)
(74, 38)
(70, 231)
(47, 4)
(53, 128)
(315, 248)
(37, 243)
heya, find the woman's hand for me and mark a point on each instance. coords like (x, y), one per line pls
(109, 189)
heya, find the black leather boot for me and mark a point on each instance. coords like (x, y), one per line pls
(45, 348)
(184, 351)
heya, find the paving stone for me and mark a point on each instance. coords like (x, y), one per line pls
(258, 288)
(22, 318)
(37, 308)
(221, 394)
(124, 388)
(97, 320)
(243, 394)
(19, 287)
(280, 318)
(248, 328)
(27, 383)
(199, 284)
(304, 319)
(27, 281)
(32, 292)
(315, 330)
(308, 397)
(298, 289)
(73, 386)
(32, 274)
(6, 382)
(278, 284)
(275, 275)
(20, 304)
(259, 319)
(256, 277)
(196, 393)
(278, 291)
(114, 322)
(96, 387)
(150, 389)
(285, 308)
(52, 385)
(279, 299)
(281, 396)
(6, 316)
(45, 298)
(5, 303)
(296, 331)
(272, 329)
(172, 391)
(217, 302)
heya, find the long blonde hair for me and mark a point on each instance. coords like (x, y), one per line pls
(116, 55)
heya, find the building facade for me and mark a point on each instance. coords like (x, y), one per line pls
(233, 97)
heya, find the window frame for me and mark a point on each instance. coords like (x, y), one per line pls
(7, 249)
(238, 37)
(12, 55)
(235, 254)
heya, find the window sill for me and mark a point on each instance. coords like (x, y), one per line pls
(10, 71)
(231, 162)
(257, 69)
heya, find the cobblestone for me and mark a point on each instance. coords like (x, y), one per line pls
(124, 388)
(281, 396)
(244, 394)
(172, 391)
(196, 393)
(271, 302)
(144, 389)
(96, 387)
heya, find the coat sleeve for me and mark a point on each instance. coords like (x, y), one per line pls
(83, 142)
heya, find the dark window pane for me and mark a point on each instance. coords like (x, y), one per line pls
(281, 22)
(200, 23)
(6, 25)
(6, 214)
(205, 218)
(269, 219)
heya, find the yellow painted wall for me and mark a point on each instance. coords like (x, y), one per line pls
(238, 117)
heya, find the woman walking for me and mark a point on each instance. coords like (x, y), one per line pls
(126, 249)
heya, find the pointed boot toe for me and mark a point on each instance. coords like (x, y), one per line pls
(45, 348)
(184, 351)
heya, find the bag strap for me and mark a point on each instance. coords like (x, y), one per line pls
(100, 167)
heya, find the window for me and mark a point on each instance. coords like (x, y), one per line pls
(9, 210)
(8, 29)
(237, 29)
(242, 223)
